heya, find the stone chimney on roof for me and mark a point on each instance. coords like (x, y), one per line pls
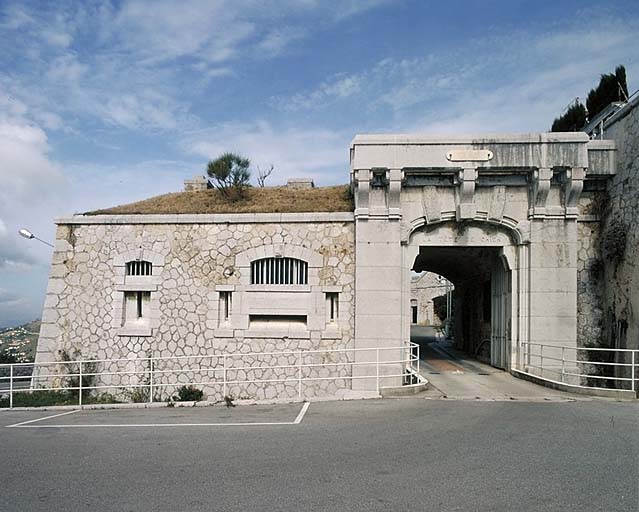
(196, 183)
(300, 183)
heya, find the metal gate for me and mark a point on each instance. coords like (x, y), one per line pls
(501, 282)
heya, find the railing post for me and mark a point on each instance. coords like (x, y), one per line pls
(224, 376)
(377, 370)
(80, 386)
(632, 376)
(299, 375)
(541, 360)
(151, 379)
(563, 357)
(11, 387)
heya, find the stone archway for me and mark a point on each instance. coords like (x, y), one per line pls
(483, 262)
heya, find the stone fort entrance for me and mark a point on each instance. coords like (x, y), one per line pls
(496, 215)
(475, 259)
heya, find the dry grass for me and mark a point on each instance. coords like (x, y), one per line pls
(258, 200)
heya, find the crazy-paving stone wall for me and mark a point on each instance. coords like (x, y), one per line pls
(83, 311)
(590, 269)
(620, 233)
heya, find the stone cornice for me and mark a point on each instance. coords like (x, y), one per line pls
(215, 218)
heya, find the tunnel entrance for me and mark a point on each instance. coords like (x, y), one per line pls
(481, 305)
(486, 264)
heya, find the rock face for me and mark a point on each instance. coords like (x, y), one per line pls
(196, 298)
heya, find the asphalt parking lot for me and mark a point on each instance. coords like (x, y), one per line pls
(391, 454)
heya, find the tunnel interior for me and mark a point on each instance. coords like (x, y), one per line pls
(471, 270)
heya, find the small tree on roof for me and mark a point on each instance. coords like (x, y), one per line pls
(230, 174)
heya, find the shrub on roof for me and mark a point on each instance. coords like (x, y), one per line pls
(231, 175)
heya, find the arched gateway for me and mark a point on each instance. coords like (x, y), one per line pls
(510, 220)
(498, 216)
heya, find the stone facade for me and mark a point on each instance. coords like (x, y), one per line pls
(498, 216)
(198, 261)
(423, 289)
(512, 221)
(590, 312)
(620, 233)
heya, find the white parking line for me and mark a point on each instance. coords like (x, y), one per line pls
(300, 415)
(41, 419)
(28, 424)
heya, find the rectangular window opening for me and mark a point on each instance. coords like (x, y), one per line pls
(226, 306)
(332, 307)
(139, 268)
(136, 307)
(277, 321)
(279, 271)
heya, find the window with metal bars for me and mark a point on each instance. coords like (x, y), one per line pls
(139, 268)
(279, 271)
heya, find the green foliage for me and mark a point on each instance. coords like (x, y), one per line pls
(572, 121)
(189, 394)
(39, 398)
(230, 174)
(612, 87)
(6, 358)
(138, 395)
(73, 369)
(614, 241)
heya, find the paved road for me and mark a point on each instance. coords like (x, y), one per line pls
(452, 374)
(392, 454)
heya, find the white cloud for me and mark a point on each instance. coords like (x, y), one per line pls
(507, 82)
(294, 151)
(9, 300)
(339, 87)
(12, 256)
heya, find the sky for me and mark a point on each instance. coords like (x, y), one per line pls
(104, 103)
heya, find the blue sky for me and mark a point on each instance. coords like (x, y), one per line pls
(103, 103)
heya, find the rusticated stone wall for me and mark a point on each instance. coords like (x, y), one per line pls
(620, 233)
(590, 312)
(196, 261)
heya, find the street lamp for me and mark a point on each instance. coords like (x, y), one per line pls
(27, 234)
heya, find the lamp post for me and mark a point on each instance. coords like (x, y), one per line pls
(28, 235)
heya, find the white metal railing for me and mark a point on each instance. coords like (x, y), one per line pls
(584, 367)
(221, 372)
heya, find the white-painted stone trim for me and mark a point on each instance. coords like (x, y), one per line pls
(136, 288)
(130, 330)
(214, 218)
(497, 138)
(279, 288)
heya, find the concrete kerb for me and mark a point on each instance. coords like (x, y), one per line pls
(203, 403)
(618, 394)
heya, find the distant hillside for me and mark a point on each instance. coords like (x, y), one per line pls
(20, 341)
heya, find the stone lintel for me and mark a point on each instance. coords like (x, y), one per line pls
(213, 218)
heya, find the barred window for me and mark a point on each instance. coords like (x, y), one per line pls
(279, 271)
(139, 268)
